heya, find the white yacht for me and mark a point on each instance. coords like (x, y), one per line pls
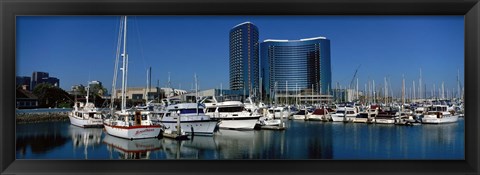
(439, 114)
(344, 114)
(193, 121)
(86, 115)
(129, 124)
(232, 115)
(278, 112)
(386, 116)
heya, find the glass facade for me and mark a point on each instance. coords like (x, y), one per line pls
(295, 66)
(244, 58)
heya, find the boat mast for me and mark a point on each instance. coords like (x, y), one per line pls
(196, 91)
(124, 66)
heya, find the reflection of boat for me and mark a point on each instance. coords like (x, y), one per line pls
(86, 137)
(125, 123)
(132, 149)
(233, 143)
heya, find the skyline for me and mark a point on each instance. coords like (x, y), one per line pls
(434, 44)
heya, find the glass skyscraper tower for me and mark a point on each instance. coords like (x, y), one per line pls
(295, 65)
(244, 58)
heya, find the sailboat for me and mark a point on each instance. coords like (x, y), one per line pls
(131, 123)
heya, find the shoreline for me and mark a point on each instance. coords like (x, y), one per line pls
(25, 118)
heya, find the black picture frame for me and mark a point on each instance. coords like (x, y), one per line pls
(9, 9)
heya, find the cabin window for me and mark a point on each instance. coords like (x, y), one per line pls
(190, 111)
(91, 115)
(230, 109)
(144, 117)
(211, 109)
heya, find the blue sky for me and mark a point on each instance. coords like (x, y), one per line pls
(77, 49)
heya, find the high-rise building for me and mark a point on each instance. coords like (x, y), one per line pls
(295, 66)
(43, 77)
(244, 58)
(38, 77)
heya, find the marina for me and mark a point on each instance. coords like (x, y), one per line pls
(281, 104)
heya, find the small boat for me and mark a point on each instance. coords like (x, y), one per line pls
(132, 124)
(193, 121)
(232, 115)
(362, 117)
(386, 116)
(300, 115)
(86, 115)
(339, 115)
(320, 114)
(438, 114)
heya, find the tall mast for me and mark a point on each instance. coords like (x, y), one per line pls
(403, 89)
(115, 70)
(458, 84)
(196, 91)
(124, 66)
(420, 86)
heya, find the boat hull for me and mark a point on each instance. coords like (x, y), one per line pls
(85, 123)
(133, 132)
(193, 127)
(238, 124)
(360, 120)
(384, 121)
(299, 117)
(337, 118)
(435, 120)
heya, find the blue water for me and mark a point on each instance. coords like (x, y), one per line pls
(301, 140)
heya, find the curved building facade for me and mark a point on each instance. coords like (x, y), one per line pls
(295, 65)
(244, 58)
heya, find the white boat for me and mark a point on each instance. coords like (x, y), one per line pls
(192, 121)
(339, 115)
(300, 115)
(320, 114)
(438, 114)
(278, 112)
(344, 114)
(85, 115)
(132, 125)
(129, 124)
(362, 117)
(232, 115)
(350, 114)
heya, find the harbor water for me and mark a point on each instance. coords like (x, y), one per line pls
(301, 140)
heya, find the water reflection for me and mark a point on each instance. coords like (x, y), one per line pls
(39, 138)
(85, 138)
(301, 140)
(130, 149)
